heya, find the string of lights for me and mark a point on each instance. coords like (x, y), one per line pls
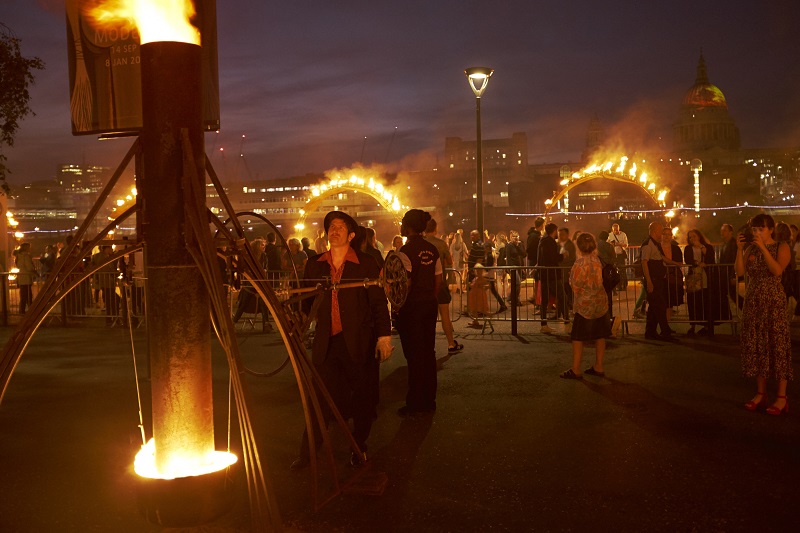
(660, 210)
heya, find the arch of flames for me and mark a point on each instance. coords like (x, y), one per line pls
(339, 184)
(619, 169)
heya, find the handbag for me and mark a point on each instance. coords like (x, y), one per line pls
(611, 276)
(694, 279)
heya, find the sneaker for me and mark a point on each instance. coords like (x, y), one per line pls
(547, 330)
(638, 314)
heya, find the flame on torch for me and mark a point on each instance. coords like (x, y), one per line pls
(155, 20)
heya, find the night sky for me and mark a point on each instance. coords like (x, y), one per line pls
(306, 81)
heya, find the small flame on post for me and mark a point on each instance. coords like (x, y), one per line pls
(155, 20)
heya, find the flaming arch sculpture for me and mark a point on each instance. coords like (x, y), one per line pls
(614, 170)
(338, 184)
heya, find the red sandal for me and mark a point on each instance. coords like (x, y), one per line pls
(776, 411)
(755, 406)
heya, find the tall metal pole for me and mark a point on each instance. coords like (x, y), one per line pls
(178, 324)
(478, 78)
(479, 166)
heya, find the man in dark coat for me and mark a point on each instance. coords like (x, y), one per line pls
(548, 257)
(532, 243)
(532, 252)
(353, 334)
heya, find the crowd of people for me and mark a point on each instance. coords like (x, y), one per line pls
(97, 292)
(760, 253)
(354, 326)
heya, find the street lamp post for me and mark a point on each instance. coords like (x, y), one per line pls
(478, 78)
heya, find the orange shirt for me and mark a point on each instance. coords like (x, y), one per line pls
(336, 277)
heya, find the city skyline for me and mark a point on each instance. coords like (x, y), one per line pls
(315, 87)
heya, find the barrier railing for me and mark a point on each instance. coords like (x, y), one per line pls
(505, 294)
(704, 297)
(516, 294)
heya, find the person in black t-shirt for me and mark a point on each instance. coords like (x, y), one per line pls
(416, 320)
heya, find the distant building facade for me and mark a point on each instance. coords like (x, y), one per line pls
(706, 168)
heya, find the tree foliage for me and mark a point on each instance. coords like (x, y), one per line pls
(16, 75)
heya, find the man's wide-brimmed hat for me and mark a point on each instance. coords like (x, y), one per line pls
(351, 224)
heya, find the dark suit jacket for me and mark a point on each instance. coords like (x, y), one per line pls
(548, 252)
(363, 311)
(728, 253)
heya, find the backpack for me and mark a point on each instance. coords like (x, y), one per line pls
(611, 276)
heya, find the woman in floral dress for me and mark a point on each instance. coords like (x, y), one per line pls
(592, 321)
(766, 343)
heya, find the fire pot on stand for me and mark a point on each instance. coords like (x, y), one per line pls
(178, 323)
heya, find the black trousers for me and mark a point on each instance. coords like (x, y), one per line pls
(353, 386)
(416, 323)
(563, 298)
(25, 297)
(656, 309)
(549, 283)
(111, 300)
(619, 260)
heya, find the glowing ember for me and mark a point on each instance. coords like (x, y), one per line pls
(155, 20)
(145, 464)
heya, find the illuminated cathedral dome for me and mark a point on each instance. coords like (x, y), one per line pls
(703, 120)
(703, 93)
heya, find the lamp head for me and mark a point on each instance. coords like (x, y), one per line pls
(478, 78)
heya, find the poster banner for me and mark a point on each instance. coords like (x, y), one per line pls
(105, 72)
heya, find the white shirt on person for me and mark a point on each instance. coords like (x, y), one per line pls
(616, 239)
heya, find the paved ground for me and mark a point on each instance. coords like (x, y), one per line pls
(661, 444)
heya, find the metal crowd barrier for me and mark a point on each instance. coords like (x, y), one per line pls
(513, 294)
(716, 303)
